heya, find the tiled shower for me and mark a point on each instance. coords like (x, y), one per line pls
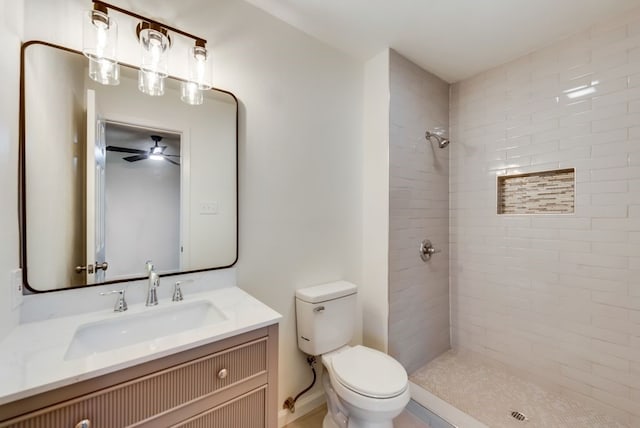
(418, 209)
(555, 296)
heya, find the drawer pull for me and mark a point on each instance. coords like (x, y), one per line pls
(85, 423)
(223, 373)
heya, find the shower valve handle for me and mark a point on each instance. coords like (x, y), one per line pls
(427, 250)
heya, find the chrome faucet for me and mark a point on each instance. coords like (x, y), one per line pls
(121, 303)
(154, 282)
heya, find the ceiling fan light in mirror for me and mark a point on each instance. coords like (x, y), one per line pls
(191, 93)
(99, 44)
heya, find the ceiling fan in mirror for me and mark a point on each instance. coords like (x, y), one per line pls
(155, 152)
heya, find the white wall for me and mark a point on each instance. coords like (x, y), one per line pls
(11, 13)
(418, 209)
(300, 147)
(557, 295)
(374, 294)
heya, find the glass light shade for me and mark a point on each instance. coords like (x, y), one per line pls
(200, 67)
(99, 44)
(150, 83)
(154, 48)
(191, 93)
(104, 71)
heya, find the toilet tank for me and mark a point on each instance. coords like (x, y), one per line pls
(325, 316)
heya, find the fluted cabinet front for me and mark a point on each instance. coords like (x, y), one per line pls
(231, 383)
(247, 412)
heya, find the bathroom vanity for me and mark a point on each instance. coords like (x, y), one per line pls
(207, 361)
(222, 372)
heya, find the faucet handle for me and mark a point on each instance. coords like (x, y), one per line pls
(177, 291)
(121, 303)
(149, 266)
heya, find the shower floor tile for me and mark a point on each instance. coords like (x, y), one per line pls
(489, 392)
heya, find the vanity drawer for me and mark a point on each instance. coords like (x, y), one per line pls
(247, 411)
(144, 397)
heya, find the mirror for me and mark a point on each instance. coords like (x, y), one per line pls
(112, 177)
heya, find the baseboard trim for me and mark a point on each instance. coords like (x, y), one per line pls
(303, 406)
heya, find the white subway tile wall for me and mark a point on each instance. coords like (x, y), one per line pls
(418, 209)
(555, 295)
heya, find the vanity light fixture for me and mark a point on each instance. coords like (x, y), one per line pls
(199, 74)
(154, 67)
(100, 40)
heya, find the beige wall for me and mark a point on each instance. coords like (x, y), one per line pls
(557, 295)
(418, 209)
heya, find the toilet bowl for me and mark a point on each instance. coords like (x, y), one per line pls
(364, 388)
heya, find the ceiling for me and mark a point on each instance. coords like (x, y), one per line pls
(454, 39)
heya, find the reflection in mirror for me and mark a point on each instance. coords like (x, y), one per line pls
(141, 163)
(113, 177)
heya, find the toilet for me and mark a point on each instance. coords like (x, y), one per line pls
(364, 388)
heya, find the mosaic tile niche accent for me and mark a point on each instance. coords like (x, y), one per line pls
(546, 192)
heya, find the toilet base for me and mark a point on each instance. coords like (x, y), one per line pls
(328, 422)
(347, 416)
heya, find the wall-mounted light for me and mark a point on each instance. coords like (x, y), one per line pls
(191, 93)
(199, 74)
(154, 66)
(100, 40)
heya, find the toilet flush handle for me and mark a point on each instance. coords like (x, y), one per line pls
(318, 309)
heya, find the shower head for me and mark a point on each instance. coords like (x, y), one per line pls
(442, 142)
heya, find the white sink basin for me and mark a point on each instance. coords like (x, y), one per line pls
(152, 323)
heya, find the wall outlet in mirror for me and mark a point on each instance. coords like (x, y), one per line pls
(16, 288)
(208, 207)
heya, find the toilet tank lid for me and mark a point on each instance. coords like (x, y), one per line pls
(324, 292)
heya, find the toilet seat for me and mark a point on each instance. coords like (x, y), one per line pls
(370, 373)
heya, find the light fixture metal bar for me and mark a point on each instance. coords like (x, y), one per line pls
(151, 21)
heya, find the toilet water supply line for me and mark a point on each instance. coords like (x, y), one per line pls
(290, 403)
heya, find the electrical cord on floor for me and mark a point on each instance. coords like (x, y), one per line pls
(290, 403)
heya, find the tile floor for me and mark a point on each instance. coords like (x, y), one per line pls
(489, 392)
(314, 420)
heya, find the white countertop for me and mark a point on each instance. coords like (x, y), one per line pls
(32, 355)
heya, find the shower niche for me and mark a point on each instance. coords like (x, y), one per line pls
(545, 192)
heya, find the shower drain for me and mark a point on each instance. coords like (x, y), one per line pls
(519, 416)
